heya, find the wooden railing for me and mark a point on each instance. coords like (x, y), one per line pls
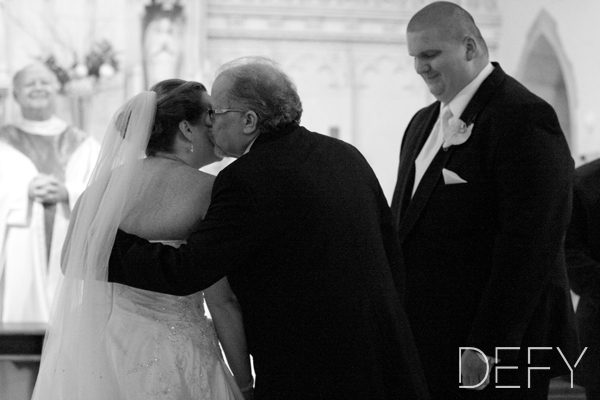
(20, 351)
(21, 342)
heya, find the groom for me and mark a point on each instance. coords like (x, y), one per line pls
(482, 210)
(300, 226)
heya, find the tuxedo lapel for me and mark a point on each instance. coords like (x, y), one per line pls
(426, 187)
(411, 208)
(483, 95)
(411, 149)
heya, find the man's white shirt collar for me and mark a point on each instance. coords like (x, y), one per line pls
(458, 104)
(50, 127)
(250, 145)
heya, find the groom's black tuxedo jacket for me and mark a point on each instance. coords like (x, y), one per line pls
(303, 232)
(484, 259)
(583, 260)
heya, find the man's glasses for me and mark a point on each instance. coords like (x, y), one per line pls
(212, 112)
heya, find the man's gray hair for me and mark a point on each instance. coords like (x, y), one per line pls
(259, 84)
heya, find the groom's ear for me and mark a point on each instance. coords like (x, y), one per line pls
(471, 48)
(250, 123)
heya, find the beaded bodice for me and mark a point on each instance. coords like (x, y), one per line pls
(175, 326)
(176, 348)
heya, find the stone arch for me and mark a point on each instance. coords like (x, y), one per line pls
(545, 70)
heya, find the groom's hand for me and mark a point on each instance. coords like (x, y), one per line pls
(474, 370)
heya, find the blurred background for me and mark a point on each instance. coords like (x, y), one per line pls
(347, 57)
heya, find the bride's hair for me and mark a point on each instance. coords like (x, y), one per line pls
(177, 100)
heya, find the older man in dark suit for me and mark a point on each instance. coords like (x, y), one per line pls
(300, 226)
(583, 261)
(482, 203)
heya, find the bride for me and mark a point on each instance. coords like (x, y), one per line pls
(109, 341)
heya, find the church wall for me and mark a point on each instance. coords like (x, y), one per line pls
(348, 58)
(354, 92)
(578, 30)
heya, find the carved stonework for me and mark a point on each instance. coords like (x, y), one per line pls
(177, 44)
(324, 67)
(4, 74)
(335, 4)
(163, 27)
(481, 6)
(356, 21)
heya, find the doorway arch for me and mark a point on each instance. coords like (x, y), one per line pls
(545, 70)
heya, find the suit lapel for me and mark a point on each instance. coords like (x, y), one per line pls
(426, 187)
(429, 181)
(411, 148)
(483, 95)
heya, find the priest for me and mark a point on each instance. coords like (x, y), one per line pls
(44, 166)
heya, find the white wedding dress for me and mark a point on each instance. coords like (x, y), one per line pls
(153, 346)
(107, 341)
(165, 347)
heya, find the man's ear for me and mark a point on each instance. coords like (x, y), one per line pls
(250, 123)
(186, 129)
(470, 48)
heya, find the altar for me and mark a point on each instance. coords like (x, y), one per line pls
(20, 351)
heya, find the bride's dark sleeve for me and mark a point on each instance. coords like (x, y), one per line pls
(224, 241)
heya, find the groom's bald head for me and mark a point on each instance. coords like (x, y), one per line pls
(450, 18)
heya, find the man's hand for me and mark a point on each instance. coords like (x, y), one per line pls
(47, 189)
(248, 394)
(474, 370)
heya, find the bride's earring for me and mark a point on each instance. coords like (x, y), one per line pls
(192, 149)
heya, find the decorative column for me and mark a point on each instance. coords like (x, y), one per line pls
(4, 76)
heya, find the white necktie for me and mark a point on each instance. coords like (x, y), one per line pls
(432, 146)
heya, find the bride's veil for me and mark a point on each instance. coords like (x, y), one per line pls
(75, 364)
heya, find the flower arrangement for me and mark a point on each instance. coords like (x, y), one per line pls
(101, 61)
(61, 73)
(79, 79)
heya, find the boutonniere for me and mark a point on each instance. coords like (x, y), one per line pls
(457, 132)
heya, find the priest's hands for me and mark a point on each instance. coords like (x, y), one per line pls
(47, 189)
